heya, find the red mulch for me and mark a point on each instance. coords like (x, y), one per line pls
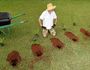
(37, 49)
(57, 43)
(71, 36)
(14, 58)
(85, 32)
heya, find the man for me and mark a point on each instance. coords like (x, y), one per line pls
(48, 20)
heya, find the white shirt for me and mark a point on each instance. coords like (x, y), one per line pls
(48, 19)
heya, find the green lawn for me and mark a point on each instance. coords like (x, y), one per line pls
(75, 56)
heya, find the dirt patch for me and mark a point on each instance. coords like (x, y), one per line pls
(85, 32)
(37, 50)
(57, 43)
(14, 58)
(71, 36)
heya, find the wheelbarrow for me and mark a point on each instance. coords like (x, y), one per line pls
(6, 21)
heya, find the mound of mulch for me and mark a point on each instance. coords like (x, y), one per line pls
(57, 43)
(85, 32)
(14, 58)
(71, 36)
(37, 50)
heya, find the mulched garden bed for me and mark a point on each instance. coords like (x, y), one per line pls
(37, 50)
(72, 36)
(14, 58)
(85, 32)
(57, 43)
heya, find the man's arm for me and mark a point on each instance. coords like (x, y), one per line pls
(54, 21)
(40, 22)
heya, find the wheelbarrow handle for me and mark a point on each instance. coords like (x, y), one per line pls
(18, 16)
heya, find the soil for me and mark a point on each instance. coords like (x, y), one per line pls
(57, 43)
(14, 58)
(37, 50)
(85, 32)
(71, 36)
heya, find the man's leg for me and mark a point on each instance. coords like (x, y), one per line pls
(45, 32)
(52, 32)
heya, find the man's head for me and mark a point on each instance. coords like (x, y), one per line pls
(50, 7)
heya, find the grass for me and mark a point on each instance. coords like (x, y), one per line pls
(75, 56)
